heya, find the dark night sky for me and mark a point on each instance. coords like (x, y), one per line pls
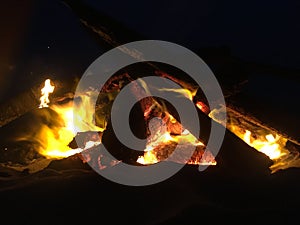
(42, 38)
(266, 31)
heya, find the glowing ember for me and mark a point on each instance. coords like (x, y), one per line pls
(203, 107)
(161, 143)
(163, 147)
(167, 133)
(204, 159)
(46, 90)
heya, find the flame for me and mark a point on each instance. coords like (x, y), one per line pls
(64, 153)
(161, 138)
(259, 137)
(185, 138)
(272, 145)
(59, 126)
(268, 145)
(83, 120)
(163, 134)
(148, 158)
(54, 140)
(46, 90)
(205, 159)
(182, 92)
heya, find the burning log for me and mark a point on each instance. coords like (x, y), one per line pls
(165, 137)
(159, 147)
(58, 134)
(283, 150)
(52, 138)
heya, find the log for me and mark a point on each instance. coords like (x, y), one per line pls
(29, 100)
(19, 105)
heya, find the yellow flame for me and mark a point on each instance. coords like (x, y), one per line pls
(268, 145)
(64, 152)
(148, 158)
(84, 119)
(185, 138)
(46, 90)
(166, 138)
(54, 140)
(181, 91)
(260, 138)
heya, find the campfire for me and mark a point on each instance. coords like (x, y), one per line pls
(54, 139)
(63, 159)
(53, 135)
(165, 133)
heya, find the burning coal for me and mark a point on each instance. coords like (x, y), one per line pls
(166, 133)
